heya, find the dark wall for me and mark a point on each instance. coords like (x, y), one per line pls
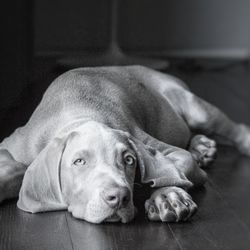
(64, 25)
(192, 25)
(15, 50)
(178, 27)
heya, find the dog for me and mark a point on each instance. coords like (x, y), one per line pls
(95, 126)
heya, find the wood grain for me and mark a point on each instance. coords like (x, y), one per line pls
(21, 230)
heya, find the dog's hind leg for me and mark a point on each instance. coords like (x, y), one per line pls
(11, 175)
(204, 118)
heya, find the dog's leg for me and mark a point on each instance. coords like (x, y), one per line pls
(11, 175)
(182, 158)
(170, 204)
(207, 119)
(203, 149)
(173, 203)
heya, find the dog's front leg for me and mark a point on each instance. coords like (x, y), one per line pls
(170, 204)
(173, 170)
(181, 159)
(11, 175)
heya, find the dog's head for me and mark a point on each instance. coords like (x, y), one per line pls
(97, 174)
(91, 173)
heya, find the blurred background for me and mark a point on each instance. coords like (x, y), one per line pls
(164, 28)
(195, 40)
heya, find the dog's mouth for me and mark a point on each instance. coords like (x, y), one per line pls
(98, 214)
(113, 218)
(124, 215)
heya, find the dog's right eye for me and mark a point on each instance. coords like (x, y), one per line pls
(129, 160)
(79, 162)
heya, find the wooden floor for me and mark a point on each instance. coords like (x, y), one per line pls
(223, 218)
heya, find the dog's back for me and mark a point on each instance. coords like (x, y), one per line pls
(121, 97)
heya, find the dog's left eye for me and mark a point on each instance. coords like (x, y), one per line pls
(129, 160)
(79, 162)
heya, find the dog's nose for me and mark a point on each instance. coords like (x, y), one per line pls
(116, 197)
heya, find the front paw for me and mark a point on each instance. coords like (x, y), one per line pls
(170, 204)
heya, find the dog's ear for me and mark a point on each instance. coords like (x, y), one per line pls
(41, 188)
(156, 168)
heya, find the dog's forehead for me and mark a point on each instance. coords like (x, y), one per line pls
(93, 135)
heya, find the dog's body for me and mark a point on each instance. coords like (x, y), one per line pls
(129, 99)
(154, 111)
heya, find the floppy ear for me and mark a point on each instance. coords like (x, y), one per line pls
(41, 189)
(157, 168)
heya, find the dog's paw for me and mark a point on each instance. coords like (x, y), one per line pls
(243, 139)
(203, 149)
(170, 204)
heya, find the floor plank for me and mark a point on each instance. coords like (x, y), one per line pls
(21, 230)
(231, 179)
(218, 224)
(139, 234)
(136, 235)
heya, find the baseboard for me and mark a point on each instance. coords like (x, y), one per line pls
(205, 53)
(233, 53)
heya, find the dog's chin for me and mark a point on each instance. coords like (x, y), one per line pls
(127, 214)
(95, 219)
(120, 217)
(113, 218)
(123, 215)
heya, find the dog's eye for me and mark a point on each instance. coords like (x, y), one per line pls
(129, 160)
(79, 162)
